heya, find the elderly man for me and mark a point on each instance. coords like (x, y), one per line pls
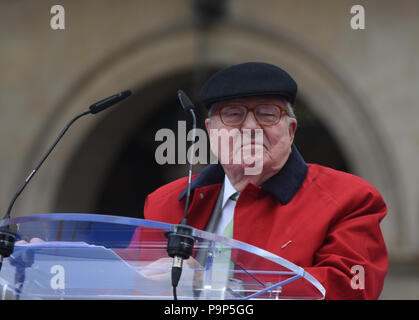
(321, 219)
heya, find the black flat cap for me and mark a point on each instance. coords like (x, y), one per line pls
(248, 79)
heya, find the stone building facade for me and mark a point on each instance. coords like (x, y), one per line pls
(360, 85)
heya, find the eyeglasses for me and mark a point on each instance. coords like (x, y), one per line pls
(265, 114)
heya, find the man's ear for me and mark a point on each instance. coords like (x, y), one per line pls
(208, 124)
(292, 128)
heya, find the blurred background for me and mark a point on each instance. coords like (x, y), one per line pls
(357, 102)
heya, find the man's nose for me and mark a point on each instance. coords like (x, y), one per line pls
(250, 121)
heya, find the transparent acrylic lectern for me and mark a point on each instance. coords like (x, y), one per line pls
(89, 256)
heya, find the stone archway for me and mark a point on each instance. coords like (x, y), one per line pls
(172, 50)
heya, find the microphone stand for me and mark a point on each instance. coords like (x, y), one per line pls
(180, 242)
(8, 237)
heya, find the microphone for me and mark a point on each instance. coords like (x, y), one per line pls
(186, 103)
(180, 242)
(7, 237)
(108, 102)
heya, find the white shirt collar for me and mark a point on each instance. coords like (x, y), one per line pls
(228, 190)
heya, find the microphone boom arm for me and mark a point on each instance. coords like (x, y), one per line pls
(28, 179)
(188, 191)
(93, 109)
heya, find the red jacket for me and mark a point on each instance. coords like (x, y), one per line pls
(330, 220)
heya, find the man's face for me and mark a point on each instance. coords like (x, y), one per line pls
(250, 141)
